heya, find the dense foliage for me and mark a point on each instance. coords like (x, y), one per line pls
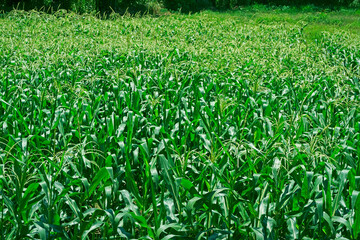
(75, 5)
(210, 126)
(108, 6)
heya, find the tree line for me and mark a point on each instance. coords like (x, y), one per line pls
(139, 5)
(77, 5)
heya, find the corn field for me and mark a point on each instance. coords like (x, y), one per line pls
(204, 126)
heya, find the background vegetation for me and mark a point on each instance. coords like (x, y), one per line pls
(108, 6)
(103, 6)
(241, 125)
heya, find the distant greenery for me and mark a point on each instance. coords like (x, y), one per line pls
(238, 125)
(104, 6)
(121, 6)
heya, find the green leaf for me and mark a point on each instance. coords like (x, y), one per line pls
(342, 182)
(188, 186)
(291, 225)
(102, 175)
(356, 206)
(305, 192)
(343, 221)
(173, 185)
(258, 233)
(94, 226)
(330, 223)
(142, 221)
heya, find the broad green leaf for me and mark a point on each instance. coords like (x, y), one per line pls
(102, 175)
(93, 227)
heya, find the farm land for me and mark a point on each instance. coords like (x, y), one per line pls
(215, 125)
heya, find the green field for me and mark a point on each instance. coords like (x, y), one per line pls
(234, 125)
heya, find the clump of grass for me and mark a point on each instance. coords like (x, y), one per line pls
(181, 127)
